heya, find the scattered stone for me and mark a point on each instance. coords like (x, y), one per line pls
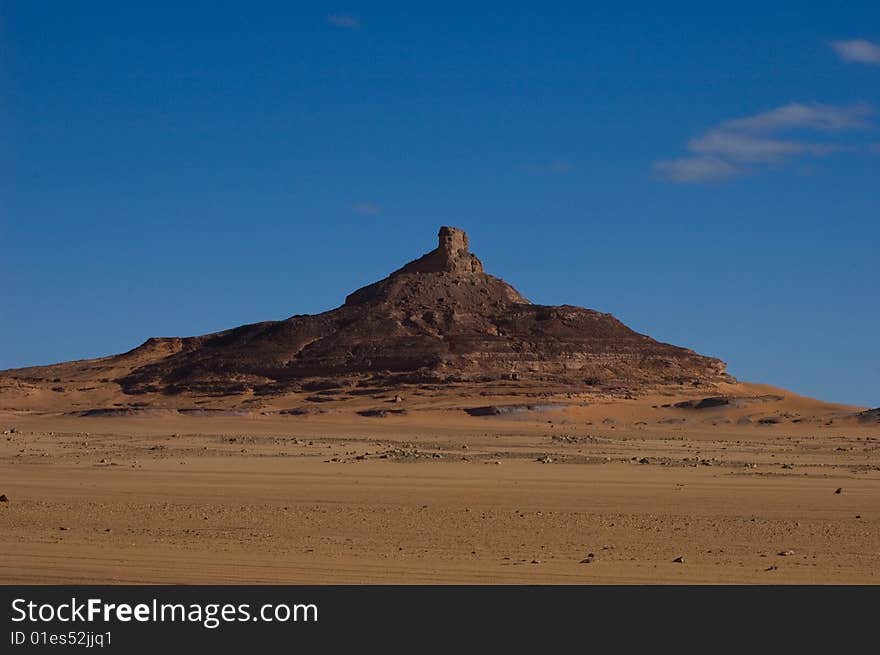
(381, 413)
(644, 460)
(4, 498)
(785, 553)
(772, 567)
(588, 559)
(502, 410)
(839, 490)
(536, 561)
(679, 559)
(546, 459)
(704, 403)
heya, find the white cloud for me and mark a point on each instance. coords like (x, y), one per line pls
(827, 118)
(748, 148)
(367, 208)
(344, 20)
(857, 50)
(722, 151)
(744, 148)
(694, 169)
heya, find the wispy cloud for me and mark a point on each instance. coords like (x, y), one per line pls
(695, 169)
(737, 146)
(741, 147)
(747, 148)
(857, 50)
(827, 118)
(367, 208)
(344, 20)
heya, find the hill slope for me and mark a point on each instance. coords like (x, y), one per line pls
(440, 319)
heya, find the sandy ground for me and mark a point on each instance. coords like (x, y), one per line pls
(592, 493)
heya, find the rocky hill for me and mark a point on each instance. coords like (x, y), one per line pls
(438, 320)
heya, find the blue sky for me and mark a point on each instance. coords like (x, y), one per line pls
(707, 174)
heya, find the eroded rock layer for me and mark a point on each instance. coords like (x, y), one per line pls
(439, 319)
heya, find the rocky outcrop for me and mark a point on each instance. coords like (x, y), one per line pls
(439, 319)
(869, 416)
(452, 255)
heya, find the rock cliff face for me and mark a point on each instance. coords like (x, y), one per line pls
(451, 256)
(438, 320)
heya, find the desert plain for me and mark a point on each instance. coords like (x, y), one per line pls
(459, 485)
